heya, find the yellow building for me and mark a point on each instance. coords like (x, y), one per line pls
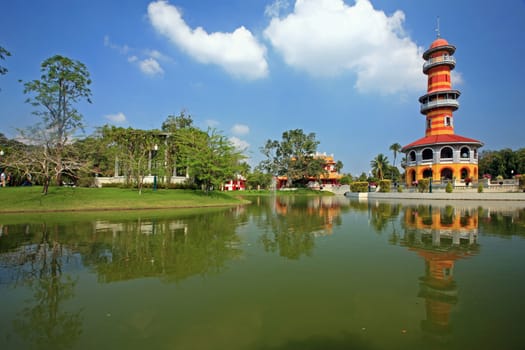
(441, 154)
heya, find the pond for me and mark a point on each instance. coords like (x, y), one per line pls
(283, 273)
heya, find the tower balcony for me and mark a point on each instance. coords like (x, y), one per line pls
(439, 99)
(449, 102)
(439, 60)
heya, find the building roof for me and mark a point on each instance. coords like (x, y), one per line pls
(439, 42)
(438, 45)
(440, 139)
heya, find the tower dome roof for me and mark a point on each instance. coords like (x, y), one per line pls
(438, 45)
(439, 42)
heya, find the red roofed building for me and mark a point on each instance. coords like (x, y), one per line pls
(441, 154)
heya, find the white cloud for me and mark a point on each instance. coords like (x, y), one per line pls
(327, 37)
(275, 8)
(118, 118)
(456, 78)
(240, 129)
(150, 66)
(146, 60)
(123, 49)
(239, 52)
(240, 145)
(158, 55)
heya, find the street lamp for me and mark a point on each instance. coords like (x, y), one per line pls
(1, 170)
(153, 155)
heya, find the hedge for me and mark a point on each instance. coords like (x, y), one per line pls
(384, 185)
(359, 186)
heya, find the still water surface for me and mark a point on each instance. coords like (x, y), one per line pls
(282, 273)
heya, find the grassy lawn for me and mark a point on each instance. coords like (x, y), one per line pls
(297, 192)
(30, 199)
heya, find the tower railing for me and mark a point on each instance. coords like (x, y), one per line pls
(434, 61)
(449, 102)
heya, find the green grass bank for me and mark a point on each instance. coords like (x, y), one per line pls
(30, 199)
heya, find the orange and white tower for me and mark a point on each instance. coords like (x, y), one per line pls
(441, 154)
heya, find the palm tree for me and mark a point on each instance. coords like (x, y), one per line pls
(395, 147)
(379, 164)
(338, 166)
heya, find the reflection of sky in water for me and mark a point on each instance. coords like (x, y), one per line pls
(283, 273)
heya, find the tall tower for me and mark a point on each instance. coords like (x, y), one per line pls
(440, 100)
(441, 154)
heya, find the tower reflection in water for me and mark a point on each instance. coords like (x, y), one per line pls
(441, 236)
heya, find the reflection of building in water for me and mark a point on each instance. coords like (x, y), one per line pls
(443, 224)
(327, 211)
(148, 227)
(441, 236)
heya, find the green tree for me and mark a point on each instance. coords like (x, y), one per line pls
(210, 157)
(339, 166)
(293, 156)
(504, 162)
(346, 179)
(379, 165)
(258, 179)
(395, 148)
(63, 84)
(3, 54)
(177, 128)
(133, 148)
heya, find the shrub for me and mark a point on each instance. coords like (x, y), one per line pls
(423, 185)
(86, 181)
(480, 188)
(399, 188)
(359, 186)
(449, 188)
(384, 185)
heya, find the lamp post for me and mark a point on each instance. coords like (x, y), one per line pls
(153, 155)
(2, 170)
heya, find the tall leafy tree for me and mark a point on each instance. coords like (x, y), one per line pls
(504, 162)
(293, 156)
(177, 127)
(210, 157)
(379, 165)
(133, 147)
(339, 166)
(3, 54)
(395, 148)
(64, 83)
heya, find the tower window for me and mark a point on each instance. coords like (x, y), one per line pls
(448, 120)
(429, 123)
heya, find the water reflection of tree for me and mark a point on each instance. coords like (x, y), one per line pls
(504, 223)
(168, 249)
(44, 322)
(291, 224)
(381, 214)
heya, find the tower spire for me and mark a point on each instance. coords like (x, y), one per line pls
(438, 33)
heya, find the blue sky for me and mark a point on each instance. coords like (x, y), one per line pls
(349, 71)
